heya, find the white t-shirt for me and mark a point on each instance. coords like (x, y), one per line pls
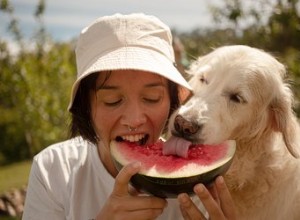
(68, 181)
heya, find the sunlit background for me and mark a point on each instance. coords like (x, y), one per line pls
(64, 19)
(37, 65)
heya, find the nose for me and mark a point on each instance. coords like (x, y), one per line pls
(133, 116)
(185, 127)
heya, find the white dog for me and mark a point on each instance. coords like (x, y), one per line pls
(240, 94)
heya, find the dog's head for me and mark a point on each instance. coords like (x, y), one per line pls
(239, 94)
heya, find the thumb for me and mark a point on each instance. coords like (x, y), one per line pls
(123, 178)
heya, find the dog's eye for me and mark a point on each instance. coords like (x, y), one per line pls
(202, 79)
(236, 98)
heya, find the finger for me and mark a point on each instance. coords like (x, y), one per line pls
(226, 201)
(123, 178)
(188, 209)
(208, 201)
(213, 191)
(184, 213)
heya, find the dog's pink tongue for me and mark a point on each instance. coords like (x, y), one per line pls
(176, 146)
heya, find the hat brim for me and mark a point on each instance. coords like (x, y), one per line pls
(135, 58)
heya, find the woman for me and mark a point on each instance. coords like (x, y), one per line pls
(126, 89)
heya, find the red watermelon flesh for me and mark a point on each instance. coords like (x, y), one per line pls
(200, 158)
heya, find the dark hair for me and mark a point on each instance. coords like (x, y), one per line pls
(81, 121)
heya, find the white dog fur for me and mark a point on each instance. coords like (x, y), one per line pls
(240, 94)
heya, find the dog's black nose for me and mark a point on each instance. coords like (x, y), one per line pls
(185, 127)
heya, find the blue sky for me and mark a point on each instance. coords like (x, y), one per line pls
(64, 19)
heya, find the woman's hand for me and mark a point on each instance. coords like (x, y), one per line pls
(123, 204)
(216, 200)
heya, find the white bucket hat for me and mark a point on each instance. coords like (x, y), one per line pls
(134, 41)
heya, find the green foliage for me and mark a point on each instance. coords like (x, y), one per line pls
(33, 99)
(270, 25)
(34, 93)
(35, 83)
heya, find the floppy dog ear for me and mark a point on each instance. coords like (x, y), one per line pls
(285, 121)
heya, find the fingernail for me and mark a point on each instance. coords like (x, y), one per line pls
(199, 188)
(183, 199)
(220, 180)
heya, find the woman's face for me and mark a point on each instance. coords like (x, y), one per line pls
(128, 98)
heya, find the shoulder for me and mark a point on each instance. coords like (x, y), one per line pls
(64, 154)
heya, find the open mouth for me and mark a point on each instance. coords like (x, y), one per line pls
(139, 139)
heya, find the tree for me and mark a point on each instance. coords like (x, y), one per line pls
(35, 89)
(272, 25)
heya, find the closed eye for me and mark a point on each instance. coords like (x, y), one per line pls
(112, 104)
(152, 100)
(237, 98)
(202, 79)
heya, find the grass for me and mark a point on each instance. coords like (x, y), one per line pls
(9, 218)
(14, 175)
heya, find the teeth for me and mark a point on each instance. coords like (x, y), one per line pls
(133, 138)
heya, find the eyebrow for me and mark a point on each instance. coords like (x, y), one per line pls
(108, 87)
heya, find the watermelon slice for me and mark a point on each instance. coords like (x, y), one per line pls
(167, 175)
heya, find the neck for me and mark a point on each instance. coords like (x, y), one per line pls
(252, 158)
(106, 159)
